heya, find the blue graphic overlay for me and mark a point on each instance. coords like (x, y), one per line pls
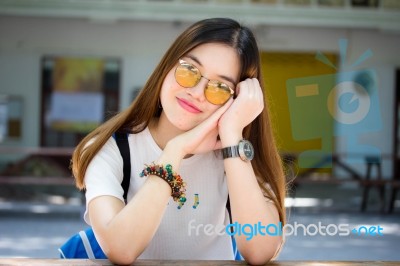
(348, 99)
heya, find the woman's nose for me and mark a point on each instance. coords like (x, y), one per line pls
(197, 91)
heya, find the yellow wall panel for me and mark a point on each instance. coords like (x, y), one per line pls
(278, 68)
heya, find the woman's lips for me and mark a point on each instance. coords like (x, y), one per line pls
(188, 106)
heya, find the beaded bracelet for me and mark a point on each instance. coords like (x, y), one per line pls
(174, 180)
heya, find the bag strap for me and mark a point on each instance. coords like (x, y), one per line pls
(123, 146)
(87, 246)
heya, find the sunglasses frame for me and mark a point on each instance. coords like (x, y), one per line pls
(183, 62)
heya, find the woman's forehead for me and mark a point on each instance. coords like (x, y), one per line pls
(217, 58)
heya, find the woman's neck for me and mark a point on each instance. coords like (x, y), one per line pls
(163, 131)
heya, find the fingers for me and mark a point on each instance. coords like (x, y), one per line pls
(212, 121)
(223, 108)
(250, 95)
(204, 136)
(247, 106)
(250, 89)
(258, 92)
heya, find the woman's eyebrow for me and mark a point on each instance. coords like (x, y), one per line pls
(194, 58)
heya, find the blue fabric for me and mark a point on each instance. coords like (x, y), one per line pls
(236, 252)
(74, 248)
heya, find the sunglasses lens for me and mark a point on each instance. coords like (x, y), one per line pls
(217, 93)
(187, 76)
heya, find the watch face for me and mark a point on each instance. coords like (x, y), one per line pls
(246, 150)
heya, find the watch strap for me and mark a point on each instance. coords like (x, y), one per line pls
(230, 152)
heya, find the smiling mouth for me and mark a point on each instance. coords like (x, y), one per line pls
(188, 106)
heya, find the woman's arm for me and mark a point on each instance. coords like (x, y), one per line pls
(123, 231)
(248, 204)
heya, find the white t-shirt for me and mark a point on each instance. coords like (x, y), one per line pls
(196, 231)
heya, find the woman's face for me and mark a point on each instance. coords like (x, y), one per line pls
(185, 108)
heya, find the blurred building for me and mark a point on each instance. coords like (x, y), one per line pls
(304, 44)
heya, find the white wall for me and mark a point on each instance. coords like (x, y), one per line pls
(20, 75)
(23, 41)
(384, 61)
(140, 45)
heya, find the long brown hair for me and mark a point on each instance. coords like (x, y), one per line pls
(267, 162)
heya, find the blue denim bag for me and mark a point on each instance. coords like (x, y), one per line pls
(82, 245)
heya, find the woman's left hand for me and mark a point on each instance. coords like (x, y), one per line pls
(248, 104)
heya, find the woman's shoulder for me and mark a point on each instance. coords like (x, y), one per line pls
(109, 152)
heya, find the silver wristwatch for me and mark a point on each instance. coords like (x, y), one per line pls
(244, 150)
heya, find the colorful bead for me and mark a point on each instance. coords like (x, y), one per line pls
(174, 181)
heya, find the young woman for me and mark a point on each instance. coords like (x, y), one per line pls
(187, 153)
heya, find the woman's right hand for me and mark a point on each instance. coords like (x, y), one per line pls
(202, 138)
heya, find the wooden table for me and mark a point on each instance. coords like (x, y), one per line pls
(85, 262)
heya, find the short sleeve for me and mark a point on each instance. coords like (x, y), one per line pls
(104, 174)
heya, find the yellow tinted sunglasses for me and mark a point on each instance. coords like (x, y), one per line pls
(188, 76)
